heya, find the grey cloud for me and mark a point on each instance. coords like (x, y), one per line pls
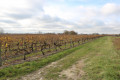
(20, 16)
(91, 24)
(36, 5)
(111, 9)
(109, 30)
(7, 21)
(34, 10)
(56, 23)
(54, 26)
(49, 19)
(98, 23)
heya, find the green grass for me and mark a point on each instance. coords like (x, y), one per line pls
(21, 69)
(103, 63)
(54, 72)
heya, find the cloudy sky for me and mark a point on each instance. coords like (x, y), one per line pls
(82, 16)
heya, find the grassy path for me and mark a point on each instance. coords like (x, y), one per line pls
(103, 63)
(96, 60)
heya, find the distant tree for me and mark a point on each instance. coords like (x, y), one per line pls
(39, 32)
(66, 32)
(95, 33)
(59, 33)
(1, 31)
(70, 32)
(50, 33)
(73, 33)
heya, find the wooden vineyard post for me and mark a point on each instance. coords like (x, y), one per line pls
(55, 46)
(0, 54)
(49, 47)
(70, 43)
(65, 45)
(73, 43)
(42, 49)
(25, 51)
(25, 56)
(35, 46)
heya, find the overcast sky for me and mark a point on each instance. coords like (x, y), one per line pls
(82, 16)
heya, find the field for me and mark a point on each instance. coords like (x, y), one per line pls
(16, 48)
(59, 40)
(98, 59)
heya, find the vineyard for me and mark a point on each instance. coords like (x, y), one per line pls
(14, 48)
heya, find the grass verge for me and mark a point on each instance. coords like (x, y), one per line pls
(103, 63)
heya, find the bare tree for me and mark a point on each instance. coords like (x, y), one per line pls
(1, 31)
(39, 32)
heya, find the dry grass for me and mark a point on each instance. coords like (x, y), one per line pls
(117, 43)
